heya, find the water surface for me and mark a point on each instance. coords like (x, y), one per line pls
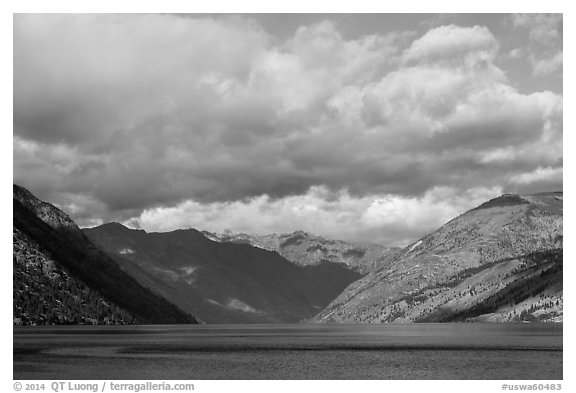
(195, 352)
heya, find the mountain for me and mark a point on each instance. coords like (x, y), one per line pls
(223, 282)
(305, 249)
(45, 293)
(60, 277)
(501, 261)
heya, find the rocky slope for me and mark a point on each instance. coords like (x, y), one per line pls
(223, 282)
(305, 249)
(501, 261)
(60, 277)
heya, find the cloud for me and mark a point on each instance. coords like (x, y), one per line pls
(435, 20)
(447, 43)
(386, 219)
(516, 53)
(120, 117)
(87, 78)
(548, 175)
(549, 66)
(545, 41)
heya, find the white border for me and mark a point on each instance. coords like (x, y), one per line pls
(235, 6)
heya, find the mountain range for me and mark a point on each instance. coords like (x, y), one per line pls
(499, 262)
(306, 249)
(223, 282)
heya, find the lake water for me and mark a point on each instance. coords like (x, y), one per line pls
(417, 351)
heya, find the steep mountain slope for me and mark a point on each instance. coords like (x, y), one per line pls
(55, 261)
(222, 282)
(45, 294)
(501, 261)
(305, 249)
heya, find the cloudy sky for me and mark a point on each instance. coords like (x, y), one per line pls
(372, 128)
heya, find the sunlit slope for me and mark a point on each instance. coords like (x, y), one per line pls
(501, 261)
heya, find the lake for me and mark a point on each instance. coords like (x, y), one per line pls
(196, 352)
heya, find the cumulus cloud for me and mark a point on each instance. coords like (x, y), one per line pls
(448, 43)
(139, 117)
(546, 66)
(547, 175)
(545, 41)
(387, 219)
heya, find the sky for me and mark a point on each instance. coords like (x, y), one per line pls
(363, 127)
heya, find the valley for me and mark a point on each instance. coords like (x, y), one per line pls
(499, 262)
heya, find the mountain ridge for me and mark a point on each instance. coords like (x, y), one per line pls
(305, 249)
(64, 244)
(486, 251)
